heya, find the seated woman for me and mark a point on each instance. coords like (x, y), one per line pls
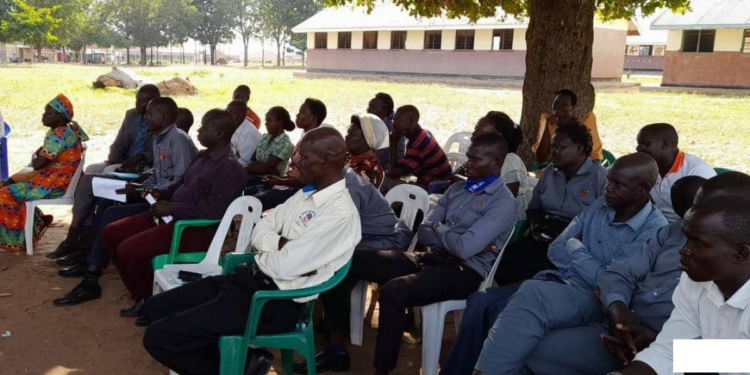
(562, 113)
(274, 190)
(571, 183)
(366, 134)
(52, 168)
(273, 152)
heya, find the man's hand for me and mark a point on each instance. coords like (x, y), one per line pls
(553, 120)
(161, 209)
(272, 181)
(131, 189)
(542, 233)
(437, 225)
(151, 190)
(620, 343)
(143, 177)
(282, 242)
(130, 164)
(489, 248)
(395, 138)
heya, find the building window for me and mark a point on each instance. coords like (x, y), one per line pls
(370, 40)
(502, 39)
(644, 50)
(398, 39)
(698, 40)
(345, 40)
(433, 39)
(746, 42)
(321, 40)
(465, 39)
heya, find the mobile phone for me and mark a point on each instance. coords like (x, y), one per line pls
(188, 276)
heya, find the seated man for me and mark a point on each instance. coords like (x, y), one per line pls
(660, 142)
(471, 222)
(711, 299)
(424, 158)
(563, 107)
(129, 235)
(247, 137)
(184, 120)
(301, 244)
(635, 294)
(242, 92)
(132, 146)
(570, 184)
(613, 227)
(173, 150)
(382, 106)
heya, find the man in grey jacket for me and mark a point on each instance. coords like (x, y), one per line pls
(131, 150)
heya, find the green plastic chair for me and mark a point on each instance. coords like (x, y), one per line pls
(609, 159)
(722, 170)
(233, 349)
(174, 256)
(520, 232)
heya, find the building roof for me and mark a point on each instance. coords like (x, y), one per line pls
(388, 16)
(645, 35)
(707, 14)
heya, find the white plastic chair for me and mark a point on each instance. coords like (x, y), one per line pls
(456, 160)
(463, 139)
(250, 209)
(433, 319)
(413, 199)
(66, 199)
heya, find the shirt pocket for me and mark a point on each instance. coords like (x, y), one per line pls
(585, 195)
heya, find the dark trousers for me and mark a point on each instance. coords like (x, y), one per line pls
(107, 215)
(189, 320)
(522, 261)
(405, 282)
(132, 242)
(268, 197)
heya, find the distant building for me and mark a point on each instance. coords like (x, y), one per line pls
(389, 40)
(645, 47)
(708, 47)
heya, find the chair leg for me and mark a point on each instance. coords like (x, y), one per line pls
(458, 316)
(357, 312)
(433, 319)
(29, 228)
(287, 361)
(233, 353)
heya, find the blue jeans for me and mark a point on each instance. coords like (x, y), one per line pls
(538, 308)
(482, 308)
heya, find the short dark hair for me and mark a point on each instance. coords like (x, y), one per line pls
(664, 131)
(569, 93)
(683, 193)
(238, 103)
(507, 127)
(579, 134)
(223, 120)
(409, 109)
(317, 108)
(282, 114)
(184, 112)
(730, 183)
(496, 141)
(387, 102)
(736, 212)
(150, 89)
(245, 88)
(169, 105)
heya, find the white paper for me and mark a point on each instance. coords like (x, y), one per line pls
(105, 188)
(150, 199)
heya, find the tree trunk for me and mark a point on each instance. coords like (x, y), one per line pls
(127, 58)
(64, 59)
(38, 54)
(278, 52)
(83, 56)
(245, 41)
(213, 54)
(559, 41)
(144, 56)
(304, 53)
(262, 52)
(157, 54)
(283, 54)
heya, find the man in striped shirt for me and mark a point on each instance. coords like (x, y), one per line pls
(424, 158)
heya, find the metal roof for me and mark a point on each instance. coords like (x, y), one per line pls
(707, 14)
(645, 34)
(388, 16)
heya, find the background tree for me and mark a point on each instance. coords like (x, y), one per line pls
(178, 17)
(31, 25)
(247, 22)
(278, 17)
(6, 7)
(137, 23)
(216, 20)
(299, 41)
(559, 42)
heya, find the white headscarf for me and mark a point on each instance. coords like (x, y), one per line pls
(375, 132)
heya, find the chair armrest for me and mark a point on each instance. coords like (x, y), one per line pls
(180, 227)
(232, 260)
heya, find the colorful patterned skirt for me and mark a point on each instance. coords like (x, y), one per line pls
(13, 200)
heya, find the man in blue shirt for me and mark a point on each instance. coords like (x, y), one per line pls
(613, 227)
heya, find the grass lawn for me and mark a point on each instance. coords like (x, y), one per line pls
(710, 126)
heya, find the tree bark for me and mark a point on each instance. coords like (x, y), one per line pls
(144, 56)
(127, 58)
(83, 55)
(38, 54)
(559, 40)
(213, 54)
(278, 51)
(245, 41)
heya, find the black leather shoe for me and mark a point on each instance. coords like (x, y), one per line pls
(83, 292)
(72, 259)
(134, 311)
(325, 361)
(258, 362)
(65, 248)
(142, 321)
(74, 272)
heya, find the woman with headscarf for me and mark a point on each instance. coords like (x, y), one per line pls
(51, 171)
(367, 134)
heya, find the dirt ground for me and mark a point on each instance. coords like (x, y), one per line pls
(92, 338)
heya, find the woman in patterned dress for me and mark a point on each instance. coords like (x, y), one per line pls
(366, 134)
(52, 168)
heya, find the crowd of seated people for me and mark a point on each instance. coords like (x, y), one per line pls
(611, 265)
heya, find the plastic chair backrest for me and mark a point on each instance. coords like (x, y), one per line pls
(250, 209)
(413, 198)
(722, 170)
(491, 276)
(456, 160)
(463, 139)
(71, 190)
(609, 159)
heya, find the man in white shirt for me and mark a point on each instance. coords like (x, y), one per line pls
(246, 138)
(660, 141)
(301, 244)
(712, 300)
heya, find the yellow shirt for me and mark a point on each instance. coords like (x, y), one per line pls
(588, 120)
